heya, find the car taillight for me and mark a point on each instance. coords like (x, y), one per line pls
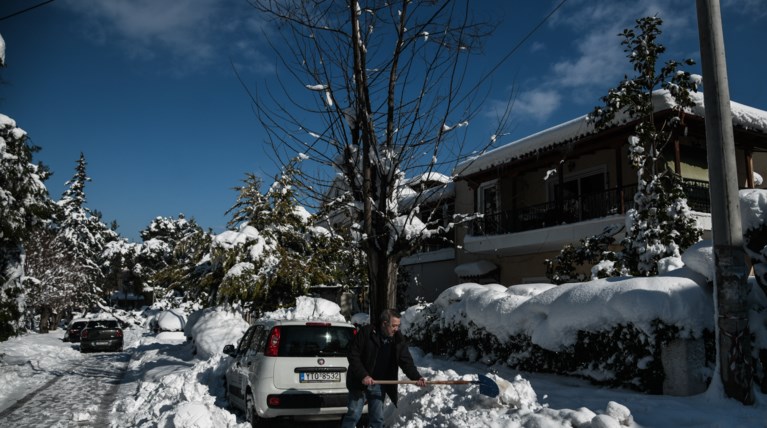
(119, 333)
(84, 333)
(318, 324)
(273, 343)
(273, 401)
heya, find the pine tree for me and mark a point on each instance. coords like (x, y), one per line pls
(252, 207)
(24, 205)
(659, 203)
(81, 236)
(177, 247)
(279, 255)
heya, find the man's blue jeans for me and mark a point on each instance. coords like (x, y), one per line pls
(375, 398)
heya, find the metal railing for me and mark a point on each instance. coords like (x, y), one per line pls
(573, 210)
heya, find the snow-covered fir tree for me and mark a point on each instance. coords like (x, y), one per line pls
(24, 205)
(84, 236)
(660, 224)
(274, 253)
(166, 254)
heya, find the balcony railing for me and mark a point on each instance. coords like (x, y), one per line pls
(573, 210)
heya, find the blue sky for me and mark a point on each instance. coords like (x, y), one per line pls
(145, 89)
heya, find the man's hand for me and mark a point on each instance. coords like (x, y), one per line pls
(367, 380)
(421, 382)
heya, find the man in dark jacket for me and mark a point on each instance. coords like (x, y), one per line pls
(376, 353)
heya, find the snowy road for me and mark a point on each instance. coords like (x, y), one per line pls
(79, 394)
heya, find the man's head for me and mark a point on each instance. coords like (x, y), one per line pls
(390, 321)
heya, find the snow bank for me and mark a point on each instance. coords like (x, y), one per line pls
(552, 316)
(216, 328)
(171, 320)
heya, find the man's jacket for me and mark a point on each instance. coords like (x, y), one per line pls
(362, 360)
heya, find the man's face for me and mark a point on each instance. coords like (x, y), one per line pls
(390, 327)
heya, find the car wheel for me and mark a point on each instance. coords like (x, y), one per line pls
(251, 415)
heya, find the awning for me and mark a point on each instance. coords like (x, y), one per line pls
(475, 269)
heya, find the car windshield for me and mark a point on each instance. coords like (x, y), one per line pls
(309, 341)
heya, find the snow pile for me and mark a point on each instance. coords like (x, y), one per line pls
(171, 320)
(552, 316)
(464, 406)
(308, 308)
(176, 394)
(214, 329)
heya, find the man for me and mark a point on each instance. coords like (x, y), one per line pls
(375, 354)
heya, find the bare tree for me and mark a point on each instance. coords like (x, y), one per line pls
(380, 90)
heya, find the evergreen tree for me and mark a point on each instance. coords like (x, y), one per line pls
(169, 255)
(24, 205)
(252, 207)
(82, 237)
(659, 203)
(275, 254)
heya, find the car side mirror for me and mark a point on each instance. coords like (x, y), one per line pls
(229, 350)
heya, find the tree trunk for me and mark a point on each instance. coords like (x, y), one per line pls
(383, 283)
(45, 314)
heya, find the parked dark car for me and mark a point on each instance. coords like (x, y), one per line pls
(73, 329)
(101, 335)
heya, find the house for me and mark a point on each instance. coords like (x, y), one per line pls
(569, 182)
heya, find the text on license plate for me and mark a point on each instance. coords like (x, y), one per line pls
(319, 377)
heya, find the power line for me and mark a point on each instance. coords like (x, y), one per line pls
(527, 36)
(26, 10)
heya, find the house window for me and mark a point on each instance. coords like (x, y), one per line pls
(582, 183)
(488, 198)
(583, 195)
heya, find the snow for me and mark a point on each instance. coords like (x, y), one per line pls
(553, 317)
(171, 320)
(167, 386)
(742, 116)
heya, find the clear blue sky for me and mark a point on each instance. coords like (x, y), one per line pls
(145, 89)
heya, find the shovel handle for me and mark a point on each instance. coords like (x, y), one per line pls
(428, 382)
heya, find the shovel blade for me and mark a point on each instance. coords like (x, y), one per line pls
(487, 386)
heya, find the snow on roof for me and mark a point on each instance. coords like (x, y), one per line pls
(308, 308)
(742, 116)
(428, 177)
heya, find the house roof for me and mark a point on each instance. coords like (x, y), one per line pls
(743, 116)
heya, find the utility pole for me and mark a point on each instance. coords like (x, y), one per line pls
(730, 286)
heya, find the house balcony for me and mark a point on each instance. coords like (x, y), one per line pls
(548, 226)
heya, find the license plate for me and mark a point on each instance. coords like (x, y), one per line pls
(311, 377)
(102, 343)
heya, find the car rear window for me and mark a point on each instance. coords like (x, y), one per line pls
(79, 324)
(103, 324)
(309, 341)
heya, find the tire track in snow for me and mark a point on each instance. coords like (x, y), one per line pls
(82, 396)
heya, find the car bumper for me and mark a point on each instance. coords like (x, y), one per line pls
(303, 404)
(101, 345)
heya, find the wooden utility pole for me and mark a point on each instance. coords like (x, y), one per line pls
(730, 286)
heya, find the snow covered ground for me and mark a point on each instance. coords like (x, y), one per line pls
(166, 385)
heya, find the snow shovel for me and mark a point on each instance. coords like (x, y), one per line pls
(487, 386)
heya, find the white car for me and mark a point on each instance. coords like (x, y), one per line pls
(291, 369)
